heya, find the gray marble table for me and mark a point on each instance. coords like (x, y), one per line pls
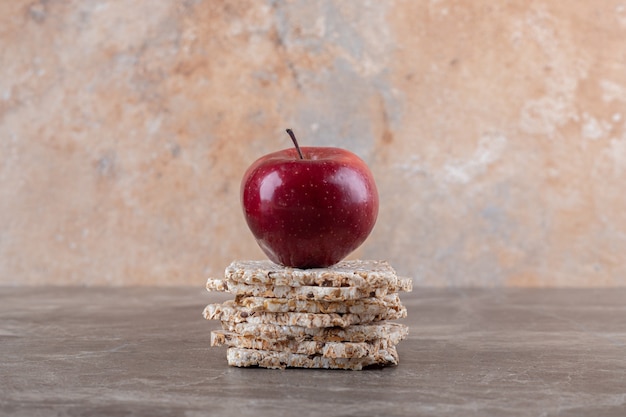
(145, 352)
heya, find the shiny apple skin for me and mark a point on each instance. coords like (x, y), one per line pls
(311, 212)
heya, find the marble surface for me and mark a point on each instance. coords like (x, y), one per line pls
(496, 131)
(71, 351)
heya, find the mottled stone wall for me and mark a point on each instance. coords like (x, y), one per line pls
(496, 131)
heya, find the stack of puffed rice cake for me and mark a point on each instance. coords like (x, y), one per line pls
(334, 318)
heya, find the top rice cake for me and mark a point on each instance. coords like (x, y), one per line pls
(354, 273)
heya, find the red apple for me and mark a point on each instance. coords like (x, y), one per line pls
(309, 207)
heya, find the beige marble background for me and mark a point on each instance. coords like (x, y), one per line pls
(496, 131)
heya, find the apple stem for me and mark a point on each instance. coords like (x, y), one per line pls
(295, 142)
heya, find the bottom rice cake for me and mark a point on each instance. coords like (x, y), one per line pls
(242, 357)
(304, 347)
